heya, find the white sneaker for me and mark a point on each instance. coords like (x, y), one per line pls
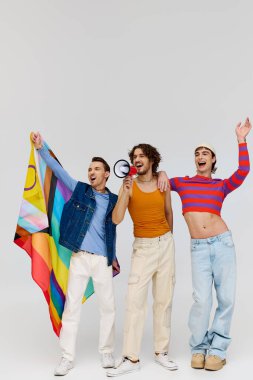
(107, 360)
(63, 368)
(163, 360)
(124, 367)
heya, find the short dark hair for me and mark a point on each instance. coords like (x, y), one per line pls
(150, 152)
(214, 167)
(100, 159)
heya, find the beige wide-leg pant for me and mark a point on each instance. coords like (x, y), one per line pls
(84, 265)
(152, 259)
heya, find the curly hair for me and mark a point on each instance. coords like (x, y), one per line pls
(150, 152)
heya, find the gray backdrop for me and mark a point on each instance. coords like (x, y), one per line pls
(96, 77)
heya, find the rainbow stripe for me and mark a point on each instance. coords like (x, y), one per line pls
(38, 234)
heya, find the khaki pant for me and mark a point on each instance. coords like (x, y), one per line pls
(152, 259)
(84, 265)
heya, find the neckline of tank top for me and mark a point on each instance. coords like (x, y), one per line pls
(145, 192)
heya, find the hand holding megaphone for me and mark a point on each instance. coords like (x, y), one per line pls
(123, 169)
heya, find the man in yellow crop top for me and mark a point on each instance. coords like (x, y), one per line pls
(152, 259)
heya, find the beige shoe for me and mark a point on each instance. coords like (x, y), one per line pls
(214, 363)
(198, 361)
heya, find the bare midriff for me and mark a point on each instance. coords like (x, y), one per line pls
(203, 225)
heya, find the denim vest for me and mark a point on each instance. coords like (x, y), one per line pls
(76, 218)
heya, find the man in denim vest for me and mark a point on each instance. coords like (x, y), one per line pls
(87, 229)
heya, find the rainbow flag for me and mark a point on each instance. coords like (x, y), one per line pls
(38, 234)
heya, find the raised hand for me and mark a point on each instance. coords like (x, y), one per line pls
(242, 130)
(37, 140)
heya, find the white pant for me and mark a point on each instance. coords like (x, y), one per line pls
(152, 260)
(84, 265)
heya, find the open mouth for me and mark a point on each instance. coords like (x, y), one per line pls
(138, 166)
(92, 178)
(201, 164)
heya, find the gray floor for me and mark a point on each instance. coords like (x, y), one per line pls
(30, 348)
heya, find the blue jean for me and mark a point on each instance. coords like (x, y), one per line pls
(213, 263)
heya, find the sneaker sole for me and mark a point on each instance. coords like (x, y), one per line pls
(123, 373)
(63, 374)
(215, 368)
(196, 366)
(168, 368)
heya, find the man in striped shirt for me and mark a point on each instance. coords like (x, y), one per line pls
(212, 251)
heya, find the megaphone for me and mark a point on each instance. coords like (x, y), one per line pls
(122, 169)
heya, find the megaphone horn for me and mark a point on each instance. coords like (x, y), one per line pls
(122, 168)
